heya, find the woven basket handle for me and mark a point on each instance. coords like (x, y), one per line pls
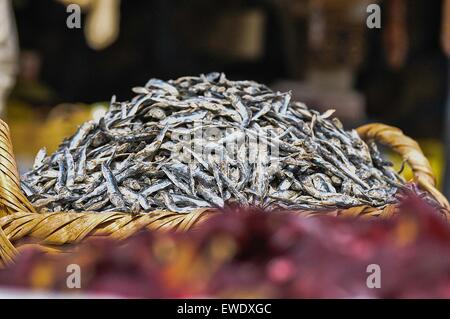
(11, 197)
(410, 151)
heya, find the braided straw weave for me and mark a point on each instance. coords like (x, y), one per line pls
(22, 225)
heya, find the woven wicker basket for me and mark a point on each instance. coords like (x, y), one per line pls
(22, 226)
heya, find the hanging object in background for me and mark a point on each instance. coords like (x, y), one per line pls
(336, 33)
(324, 66)
(395, 35)
(102, 22)
(237, 35)
(445, 35)
(316, 26)
(8, 51)
(102, 26)
(234, 33)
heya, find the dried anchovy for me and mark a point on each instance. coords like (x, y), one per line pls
(265, 150)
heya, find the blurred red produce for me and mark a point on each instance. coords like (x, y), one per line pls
(250, 253)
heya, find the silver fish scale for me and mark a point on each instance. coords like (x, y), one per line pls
(201, 141)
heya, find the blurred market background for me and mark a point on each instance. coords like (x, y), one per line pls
(53, 77)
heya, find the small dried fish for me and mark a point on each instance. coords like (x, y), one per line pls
(111, 184)
(39, 159)
(205, 141)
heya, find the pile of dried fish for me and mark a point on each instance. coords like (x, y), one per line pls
(207, 141)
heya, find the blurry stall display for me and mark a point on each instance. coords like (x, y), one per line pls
(336, 30)
(445, 36)
(35, 120)
(445, 32)
(102, 25)
(234, 32)
(31, 129)
(395, 35)
(29, 86)
(237, 35)
(250, 254)
(63, 120)
(8, 51)
(28, 104)
(335, 46)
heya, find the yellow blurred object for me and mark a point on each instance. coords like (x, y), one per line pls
(42, 276)
(102, 25)
(32, 130)
(406, 231)
(82, 3)
(62, 122)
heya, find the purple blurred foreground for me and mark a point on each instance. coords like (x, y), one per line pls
(246, 253)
